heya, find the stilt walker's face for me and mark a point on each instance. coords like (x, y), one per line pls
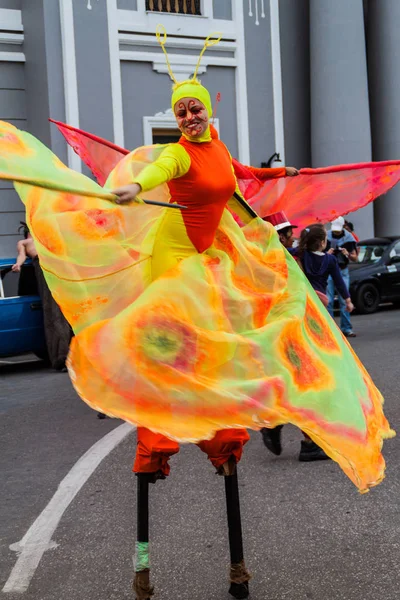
(192, 117)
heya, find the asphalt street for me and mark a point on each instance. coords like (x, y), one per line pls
(308, 533)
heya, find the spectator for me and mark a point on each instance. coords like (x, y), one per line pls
(284, 228)
(309, 450)
(57, 330)
(343, 245)
(350, 228)
(318, 265)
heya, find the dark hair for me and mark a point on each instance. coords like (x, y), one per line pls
(349, 225)
(285, 230)
(311, 238)
(23, 228)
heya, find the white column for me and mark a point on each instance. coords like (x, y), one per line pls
(384, 60)
(70, 78)
(277, 80)
(241, 85)
(340, 118)
(116, 84)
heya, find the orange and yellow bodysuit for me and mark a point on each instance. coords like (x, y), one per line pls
(199, 176)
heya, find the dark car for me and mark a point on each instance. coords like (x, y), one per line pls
(21, 314)
(376, 276)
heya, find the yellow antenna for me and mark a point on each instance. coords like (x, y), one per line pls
(161, 31)
(207, 44)
(211, 40)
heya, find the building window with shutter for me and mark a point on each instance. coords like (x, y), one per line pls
(181, 7)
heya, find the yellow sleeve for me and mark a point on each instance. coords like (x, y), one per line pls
(240, 207)
(172, 163)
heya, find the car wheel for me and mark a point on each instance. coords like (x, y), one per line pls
(368, 298)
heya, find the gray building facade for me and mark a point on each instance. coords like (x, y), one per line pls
(314, 80)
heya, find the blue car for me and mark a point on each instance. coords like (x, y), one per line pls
(21, 314)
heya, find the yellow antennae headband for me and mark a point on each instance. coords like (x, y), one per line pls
(211, 40)
(161, 31)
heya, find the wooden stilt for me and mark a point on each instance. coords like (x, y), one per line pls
(239, 575)
(141, 583)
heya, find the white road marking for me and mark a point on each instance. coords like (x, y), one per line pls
(13, 362)
(38, 537)
(23, 361)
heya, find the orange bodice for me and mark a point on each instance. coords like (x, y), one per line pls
(205, 190)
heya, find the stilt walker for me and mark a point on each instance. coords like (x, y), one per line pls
(187, 325)
(192, 100)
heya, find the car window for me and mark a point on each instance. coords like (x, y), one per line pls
(370, 254)
(18, 284)
(395, 251)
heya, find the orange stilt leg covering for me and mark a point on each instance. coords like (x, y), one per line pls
(154, 450)
(225, 443)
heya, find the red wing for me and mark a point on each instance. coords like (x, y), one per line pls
(98, 154)
(314, 195)
(324, 194)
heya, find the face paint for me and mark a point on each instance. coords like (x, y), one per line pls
(191, 116)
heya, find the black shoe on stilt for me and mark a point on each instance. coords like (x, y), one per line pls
(239, 590)
(240, 577)
(272, 439)
(310, 452)
(141, 585)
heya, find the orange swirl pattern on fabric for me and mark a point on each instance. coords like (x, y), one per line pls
(218, 341)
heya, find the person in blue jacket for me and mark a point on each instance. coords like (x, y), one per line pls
(343, 244)
(319, 266)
